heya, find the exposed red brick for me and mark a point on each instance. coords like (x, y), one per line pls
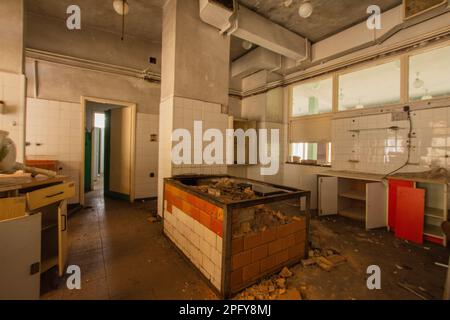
(299, 225)
(252, 241)
(259, 253)
(269, 235)
(300, 237)
(285, 230)
(250, 272)
(290, 241)
(241, 260)
(282, 257)
(276, 246)
(268, 263)
(237, 245)
(297, 251)
(236, 278)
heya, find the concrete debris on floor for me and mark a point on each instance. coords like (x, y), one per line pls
(276, 287)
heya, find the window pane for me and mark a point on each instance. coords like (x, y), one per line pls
(312, 98)
(429, 75)
(319, 152)
(371, 87)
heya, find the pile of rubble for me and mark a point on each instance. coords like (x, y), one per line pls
(274, 288)
(227, 190)
(263, 218)
(326, 259)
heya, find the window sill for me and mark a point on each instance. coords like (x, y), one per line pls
(310, 165)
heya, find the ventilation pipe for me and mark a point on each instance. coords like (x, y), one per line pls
(254, 61)
(235, 19)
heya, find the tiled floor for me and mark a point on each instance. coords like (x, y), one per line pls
(124, 256)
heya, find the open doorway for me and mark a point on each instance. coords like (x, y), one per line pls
(109, 148)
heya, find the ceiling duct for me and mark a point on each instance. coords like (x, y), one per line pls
(254, 61)
(245, 24)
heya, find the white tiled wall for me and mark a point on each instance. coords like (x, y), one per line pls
(12, 93)
(146, 156)
(57, 127)
(186, 111)
(202, 246)
(381, 150)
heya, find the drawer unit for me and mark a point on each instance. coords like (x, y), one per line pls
(43, 197)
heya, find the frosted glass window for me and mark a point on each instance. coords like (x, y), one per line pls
(312, 98)
(429, 75)
(371, 87)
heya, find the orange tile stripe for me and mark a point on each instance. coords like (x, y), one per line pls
(200, 210)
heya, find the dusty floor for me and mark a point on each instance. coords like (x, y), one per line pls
(124, 256)
(400, 262)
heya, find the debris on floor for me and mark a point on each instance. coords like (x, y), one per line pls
(274, 288)
(326, 259)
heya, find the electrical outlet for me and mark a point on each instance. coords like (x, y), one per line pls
(399, 116)
(153, 60)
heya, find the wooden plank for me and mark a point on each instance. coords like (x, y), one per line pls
(410, 214)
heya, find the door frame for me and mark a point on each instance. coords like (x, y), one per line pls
(133, 107)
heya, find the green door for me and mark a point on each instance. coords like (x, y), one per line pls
(88, 162)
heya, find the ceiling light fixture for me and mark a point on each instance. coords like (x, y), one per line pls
(306, 9)
(121, 7)
(247, 45)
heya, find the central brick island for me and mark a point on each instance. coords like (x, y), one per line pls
(236, 231)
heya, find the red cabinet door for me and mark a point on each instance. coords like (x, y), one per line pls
(392, 207)
(410, 214)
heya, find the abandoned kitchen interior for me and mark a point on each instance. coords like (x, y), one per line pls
(220, 149)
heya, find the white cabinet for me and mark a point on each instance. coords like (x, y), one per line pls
(328, 196)
(20, 256)
(355, 197)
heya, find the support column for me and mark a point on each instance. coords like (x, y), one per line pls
(12, 78)
(195, 83)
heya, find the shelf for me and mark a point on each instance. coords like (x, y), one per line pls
(355, 195)
(434, 213)
(433, 231)
(48, 264)
(354, 213)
